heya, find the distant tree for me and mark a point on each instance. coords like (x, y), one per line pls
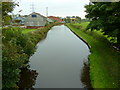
(67, 19)
(25, 15)
(17, 21)
(73, 16)
(78, 19)
(105, 16)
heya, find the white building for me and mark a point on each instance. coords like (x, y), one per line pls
(35, 20)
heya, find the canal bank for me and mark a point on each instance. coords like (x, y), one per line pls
(59, 60)
(104, 60)
(80, 37)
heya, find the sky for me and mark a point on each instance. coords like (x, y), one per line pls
(61, 8)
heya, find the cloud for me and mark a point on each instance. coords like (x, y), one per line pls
(55, 7)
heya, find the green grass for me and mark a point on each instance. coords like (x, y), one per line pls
(104, 60)
(24, 30)
(83, 24)
(28, 30)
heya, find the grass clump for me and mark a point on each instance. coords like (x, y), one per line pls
(104, 60)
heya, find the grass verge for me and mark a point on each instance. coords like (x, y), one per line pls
(24, 30)
(104, 60)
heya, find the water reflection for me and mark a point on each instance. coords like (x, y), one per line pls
(85, 78)
(27, 78)
(59, 59)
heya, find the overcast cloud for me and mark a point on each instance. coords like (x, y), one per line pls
(60, 8)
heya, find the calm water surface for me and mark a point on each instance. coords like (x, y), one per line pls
(59, 60)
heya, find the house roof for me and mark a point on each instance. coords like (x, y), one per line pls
(37, 14)
(55, 18)
(49, 20)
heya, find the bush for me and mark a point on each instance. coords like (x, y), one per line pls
(16, 49)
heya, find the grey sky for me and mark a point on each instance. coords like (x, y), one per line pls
(60, 8)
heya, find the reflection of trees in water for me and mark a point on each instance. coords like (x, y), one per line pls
(27, 78)
(85, 78)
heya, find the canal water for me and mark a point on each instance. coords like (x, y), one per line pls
(58, 61)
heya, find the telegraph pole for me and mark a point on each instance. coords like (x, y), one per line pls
(47, 15)
(32, 8)
(46, 11)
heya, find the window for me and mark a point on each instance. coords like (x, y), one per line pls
(34, 16)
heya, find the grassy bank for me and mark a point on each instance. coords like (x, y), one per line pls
(17, 47)
(24, 30)
(104, 60)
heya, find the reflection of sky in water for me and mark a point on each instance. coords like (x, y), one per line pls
(59, 59)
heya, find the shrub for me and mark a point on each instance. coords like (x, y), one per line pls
(16, 49)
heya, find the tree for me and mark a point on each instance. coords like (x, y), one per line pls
(17, 21)
(67, 19)
(105, 16)
(78, 19)
(7, 7)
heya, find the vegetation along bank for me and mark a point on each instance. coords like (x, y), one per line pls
(17, 47)
(103, 60)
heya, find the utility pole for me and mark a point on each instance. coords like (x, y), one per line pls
(46, 11)
(47, 15)
(32, 8)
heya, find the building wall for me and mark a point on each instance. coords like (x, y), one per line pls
(35, 21)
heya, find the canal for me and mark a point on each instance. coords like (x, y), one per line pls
(58, 61)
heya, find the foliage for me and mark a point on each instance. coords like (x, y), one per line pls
(73, 19)
(105, 16)
(78, 19)
(16, 21)
(16, 49)
(67, 20)
(7, 7)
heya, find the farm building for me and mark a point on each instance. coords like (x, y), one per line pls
(57, 19)
(35, 20)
